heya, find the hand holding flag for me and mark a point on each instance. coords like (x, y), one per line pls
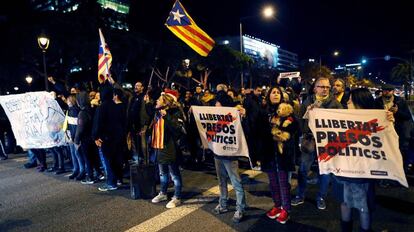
(104, 59)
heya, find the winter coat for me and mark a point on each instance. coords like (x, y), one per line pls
(173, 122)
(329, 103)
(403, 120)
(84, 120)
(272, 159)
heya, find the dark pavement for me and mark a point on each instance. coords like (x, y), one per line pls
(33, 201)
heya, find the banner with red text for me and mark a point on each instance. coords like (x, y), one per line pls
(221, 130)
(357, 144)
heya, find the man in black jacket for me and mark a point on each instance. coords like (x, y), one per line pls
(403, 119)
(135, 120)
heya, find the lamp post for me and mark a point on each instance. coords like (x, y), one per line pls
(43, 42)
(335, 54)
(267, 12)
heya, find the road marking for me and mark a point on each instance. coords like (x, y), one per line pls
(170, 216)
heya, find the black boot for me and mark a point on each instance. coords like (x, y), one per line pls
(364, 230)
(346, 226)
(73, 175)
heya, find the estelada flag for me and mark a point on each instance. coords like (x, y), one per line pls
(104, 59)
(182, 25)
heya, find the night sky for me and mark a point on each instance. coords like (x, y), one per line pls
(309, 28)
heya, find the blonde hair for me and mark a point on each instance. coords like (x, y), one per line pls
(170, 102)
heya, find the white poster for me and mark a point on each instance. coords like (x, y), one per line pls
(36, 119)
(221, 130)
(289, 75)
(357, 143)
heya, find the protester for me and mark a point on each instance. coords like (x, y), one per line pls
(358, 193)
(403, 120)
(228, 167)
(165, 131)
(322, 99)
(72, 120)
(136, 124)
(278, 161)
(339, 92)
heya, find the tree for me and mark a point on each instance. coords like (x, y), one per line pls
(402, 73)
(224, 64)
(312, 70)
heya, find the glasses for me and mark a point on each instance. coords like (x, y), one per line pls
(323, 87)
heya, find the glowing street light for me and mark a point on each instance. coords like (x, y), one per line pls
(29, 79)
(267, 12)
(43, 42)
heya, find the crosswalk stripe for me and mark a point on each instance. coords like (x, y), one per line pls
(170, 216)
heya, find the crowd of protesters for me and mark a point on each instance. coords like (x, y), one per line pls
(109, 128)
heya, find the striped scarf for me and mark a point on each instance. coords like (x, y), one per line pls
(158, 132)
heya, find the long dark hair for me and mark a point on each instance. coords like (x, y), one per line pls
(362, 98)
(269, 106)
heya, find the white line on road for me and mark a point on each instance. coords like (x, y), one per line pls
(170, 216)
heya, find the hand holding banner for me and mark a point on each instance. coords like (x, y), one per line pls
(36, 119)
(220, 130)
(357, 144)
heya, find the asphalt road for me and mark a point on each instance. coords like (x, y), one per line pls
(33, 201)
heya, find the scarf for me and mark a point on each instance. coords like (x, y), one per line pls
(158, 132)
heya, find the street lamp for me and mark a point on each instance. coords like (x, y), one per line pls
(267, 12)
(29, 79)
(335, 53)
(43, 42)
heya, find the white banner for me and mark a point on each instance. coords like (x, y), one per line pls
(357, 143)
(221, 130)
(289, 75)
(36, 119)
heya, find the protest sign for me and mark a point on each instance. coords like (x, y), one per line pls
(357, 144)
(36, 119)
(289, 75)
(220, 130)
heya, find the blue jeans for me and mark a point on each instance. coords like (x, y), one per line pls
(109, 173)
(230, 168)
(305, 165)
(32, 157)
(175, 176)
(77, 159)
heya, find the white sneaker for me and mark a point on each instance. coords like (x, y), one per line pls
(160, 197)
(173, 203)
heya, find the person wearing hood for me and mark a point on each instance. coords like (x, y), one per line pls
(82, 138)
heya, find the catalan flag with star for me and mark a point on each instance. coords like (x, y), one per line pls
(104, 59)
(183, 26)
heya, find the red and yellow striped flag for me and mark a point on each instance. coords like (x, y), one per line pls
(104, 59)
(158, 132)
(182, 25)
